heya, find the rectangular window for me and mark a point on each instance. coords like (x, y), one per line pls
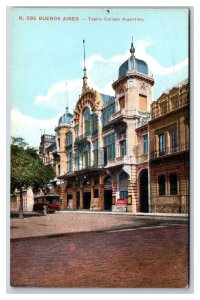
(76, 129)
(122, 102)
(69, 162)
(95, 158)
(77, 160)
(173, 140)
(142, 103)
(85, 160)
(109, 146)
(161, 185)
(69, 138)
(123, 148)
(145, 143)
(162, 144)
(173, 184)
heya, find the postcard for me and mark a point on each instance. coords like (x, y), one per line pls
(99, 147)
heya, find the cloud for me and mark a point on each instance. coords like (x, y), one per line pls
(157, 69)
(101, 73)
(56, 95)
(29, 128)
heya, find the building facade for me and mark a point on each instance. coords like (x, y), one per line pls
(169, 156)
(103, 152)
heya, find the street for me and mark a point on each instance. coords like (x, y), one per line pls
(142, 256)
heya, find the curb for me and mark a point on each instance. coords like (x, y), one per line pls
(125, 213)
(62, 234)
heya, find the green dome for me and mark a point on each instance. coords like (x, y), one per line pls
(65, 119)
(133, 64)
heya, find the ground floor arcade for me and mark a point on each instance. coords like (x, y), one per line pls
(103, 189)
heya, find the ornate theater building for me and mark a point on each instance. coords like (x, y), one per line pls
(125, 152)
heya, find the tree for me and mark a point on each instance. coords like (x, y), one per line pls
(27, 169)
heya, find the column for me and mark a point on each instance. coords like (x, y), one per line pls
(81, 197)
(101, 196)
(74, 197)
(63, 194)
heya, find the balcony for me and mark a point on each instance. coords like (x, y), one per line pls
(95, 132)
(117, 116)
(169, 103)
(83, 137)
(120, 160)
(169, 151)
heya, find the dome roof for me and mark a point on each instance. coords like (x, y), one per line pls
(65, 118)
(133, 64)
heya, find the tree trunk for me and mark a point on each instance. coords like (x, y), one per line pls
(21, 205)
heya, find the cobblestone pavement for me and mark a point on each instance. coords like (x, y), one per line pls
(99, 250)
(145, 257)
(62, 223)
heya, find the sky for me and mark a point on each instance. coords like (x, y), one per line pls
(45, 54)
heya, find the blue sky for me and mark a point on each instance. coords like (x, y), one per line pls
(47, 54)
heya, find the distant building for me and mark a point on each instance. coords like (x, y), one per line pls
(47, 148)
(28, 200)
(124, 150)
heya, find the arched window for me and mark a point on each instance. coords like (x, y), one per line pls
(86, 155)
(86, 121)
(94, 124)
(108, 180)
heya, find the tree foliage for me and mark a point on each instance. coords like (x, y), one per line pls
(26, 167)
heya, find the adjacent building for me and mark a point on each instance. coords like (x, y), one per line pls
(169, 151)
(124, 152)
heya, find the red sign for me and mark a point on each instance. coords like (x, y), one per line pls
(122, 202)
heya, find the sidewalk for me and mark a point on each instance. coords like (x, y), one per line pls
(68, 222)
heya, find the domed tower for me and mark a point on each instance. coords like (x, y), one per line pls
(65, 119)
(63, 129)
(133, 88)
(133, 97)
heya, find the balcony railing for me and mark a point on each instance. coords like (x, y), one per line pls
(170, 151)
(82, 137)
(161, 108)
(119, 161)
(117, 114)
(95, 132)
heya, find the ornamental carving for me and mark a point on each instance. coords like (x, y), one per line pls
(89, 98)
(127, 169)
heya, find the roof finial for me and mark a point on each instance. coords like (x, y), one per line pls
(84, 69)
(67, 108)
(85, 84)
(132, 49)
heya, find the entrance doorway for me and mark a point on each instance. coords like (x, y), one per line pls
(108, 193)
(86, 200)
(107, 199)
(77, 200)
(144, 196)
